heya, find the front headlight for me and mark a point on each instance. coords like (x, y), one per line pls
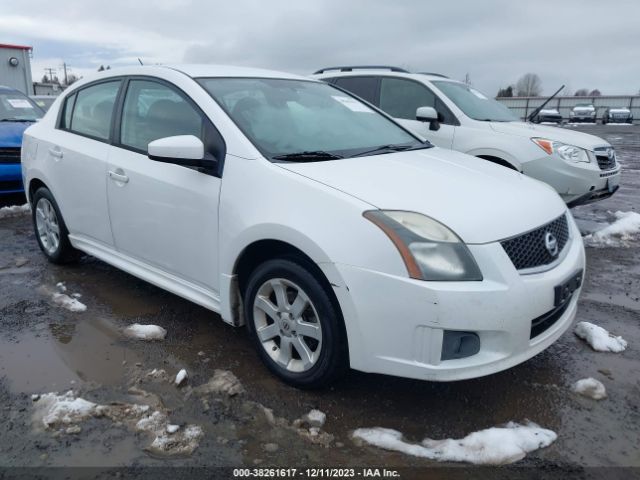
(430, 250)
(568, 153)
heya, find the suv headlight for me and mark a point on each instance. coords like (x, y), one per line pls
(429, 249)
(568, 153)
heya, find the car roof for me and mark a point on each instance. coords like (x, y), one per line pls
(384, 71)
(195, 71)
(204, 70)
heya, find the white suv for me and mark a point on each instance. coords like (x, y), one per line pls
(450, 114)
(338, 237)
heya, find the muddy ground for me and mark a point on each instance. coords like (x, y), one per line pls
(45, 348)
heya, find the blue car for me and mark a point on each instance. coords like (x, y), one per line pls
(17, 112)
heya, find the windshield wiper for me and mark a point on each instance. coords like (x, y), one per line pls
(18, 120)
(392, 148)
(308, 156)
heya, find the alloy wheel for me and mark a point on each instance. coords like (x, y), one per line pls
(287, 325)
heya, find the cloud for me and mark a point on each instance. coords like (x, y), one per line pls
(583, 43)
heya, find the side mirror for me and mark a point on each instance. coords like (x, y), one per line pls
(428, 114)
(185, 150)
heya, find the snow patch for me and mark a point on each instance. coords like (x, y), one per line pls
(624, 229)
(493, 446)
(181, 377)
(61, 287)
(590, 387)
(64, 412)
(315, 418)
(14, 211)
(600, 339)
(145, 332)
(54, 410)
(65, 301)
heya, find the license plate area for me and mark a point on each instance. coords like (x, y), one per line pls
(612, 183)
(563, 292)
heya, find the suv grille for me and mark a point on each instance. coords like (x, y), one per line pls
(10, 155)
(529, 250)
(605, 162)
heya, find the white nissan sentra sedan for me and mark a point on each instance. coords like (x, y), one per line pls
(286, 205)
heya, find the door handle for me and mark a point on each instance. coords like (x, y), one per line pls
(118, 177)
(55, 152)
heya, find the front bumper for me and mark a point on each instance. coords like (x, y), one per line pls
(577, 183)
(11, 178)
(400, 322)
(583, 119)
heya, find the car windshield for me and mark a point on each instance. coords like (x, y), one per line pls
(475, 104)
(298, 120)
(16, 107)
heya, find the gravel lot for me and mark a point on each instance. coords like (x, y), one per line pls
(46, 348)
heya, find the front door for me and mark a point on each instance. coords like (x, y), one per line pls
(163, 215)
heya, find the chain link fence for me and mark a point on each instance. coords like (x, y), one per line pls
(523, 106)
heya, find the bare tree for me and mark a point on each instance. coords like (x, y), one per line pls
(581, 92)
(529, 85)
(595, 93)
(72, 77)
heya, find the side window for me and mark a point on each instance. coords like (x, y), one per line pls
(364, 87)
(154, 110)
(401, 98)
(93, 110)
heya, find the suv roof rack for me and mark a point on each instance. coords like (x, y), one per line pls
(350, 68)
(434, 74)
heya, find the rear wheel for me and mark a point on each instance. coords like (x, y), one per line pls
(51, 231)
(295, 327)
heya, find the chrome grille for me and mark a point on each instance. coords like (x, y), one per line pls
(10, 155)
(529, 250)
(605, 161)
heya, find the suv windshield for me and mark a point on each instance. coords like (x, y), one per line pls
(297, 120)
(16, 107)
(474, 104)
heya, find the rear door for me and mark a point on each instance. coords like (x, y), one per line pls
(76, 155)
(401, 97)
(162, 214)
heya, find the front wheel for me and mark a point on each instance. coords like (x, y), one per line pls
(294, 325)
(51, 231)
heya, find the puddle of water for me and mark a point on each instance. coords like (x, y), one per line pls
(49, 360)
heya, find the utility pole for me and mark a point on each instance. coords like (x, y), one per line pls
(64, 66)
(50, 71)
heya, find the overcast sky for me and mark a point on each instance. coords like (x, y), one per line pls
(582, 43)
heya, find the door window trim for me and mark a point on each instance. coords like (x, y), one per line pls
(206, 121)
(380, 78)
(61, 111)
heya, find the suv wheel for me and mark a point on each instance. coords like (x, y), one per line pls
(51, 231)
(294, 325)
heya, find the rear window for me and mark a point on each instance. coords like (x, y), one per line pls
(92, 110)
(364, 87)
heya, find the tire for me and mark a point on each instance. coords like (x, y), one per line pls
(281, 287)
(51, 231)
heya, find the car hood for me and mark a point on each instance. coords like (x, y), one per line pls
(11, 133)
(529, 130)
(480, 201)
(619, 110)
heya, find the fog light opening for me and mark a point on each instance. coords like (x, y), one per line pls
(459, 344)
